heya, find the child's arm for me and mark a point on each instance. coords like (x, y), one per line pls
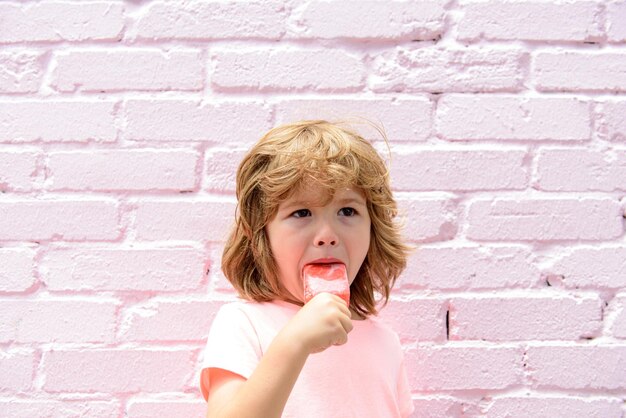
(322, 322)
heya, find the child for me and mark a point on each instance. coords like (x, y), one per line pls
(311, 192)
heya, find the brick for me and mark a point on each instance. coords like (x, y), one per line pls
(212, 20)
(553, 406)
(525, 318)
(28, 321)
(57, 121)
(67, 220)
(123, 170)
(612, 122)
(17, 170)
(529, 21)
(459, 169)
(544, 219)
(465, 117)
(28, 408)
(369, 20)
(436, 368)
(618, 327)
(182, 320)
(407, 119)
(597, 367)
(53, 21)
(581, 170)
(198, 220)
(616, 16)
(263, 69)
(591, 267)
(99, 70)
(17, 367)
(427, 407)
(470, 268)
(419, 318)
(221, 169)
(165, 408)
(81, 370)
(579, 71)
(123, 269)
(428, 219)
(21, 71)
(186, 120)
(416, 70)
(16, 269)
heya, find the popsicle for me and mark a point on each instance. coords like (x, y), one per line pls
(330, 278)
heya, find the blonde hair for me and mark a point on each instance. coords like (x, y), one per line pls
(278, 164)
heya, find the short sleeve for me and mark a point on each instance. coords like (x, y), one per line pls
(232, 345)
(404, 393)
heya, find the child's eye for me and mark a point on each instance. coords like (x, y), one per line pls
(347, 212)
(301, 213)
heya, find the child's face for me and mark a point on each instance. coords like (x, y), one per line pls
(304, 232)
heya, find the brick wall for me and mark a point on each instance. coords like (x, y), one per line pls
(121, 126)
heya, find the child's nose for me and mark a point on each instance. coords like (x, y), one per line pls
(326, 236)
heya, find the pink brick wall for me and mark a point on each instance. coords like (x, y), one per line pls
(121, 125)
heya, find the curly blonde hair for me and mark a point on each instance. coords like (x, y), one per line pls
(278, 164)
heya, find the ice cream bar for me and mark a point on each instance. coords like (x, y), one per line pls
(329, 278)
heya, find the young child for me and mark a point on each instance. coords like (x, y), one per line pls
(311, 192)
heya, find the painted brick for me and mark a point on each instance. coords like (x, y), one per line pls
(286, 69)
(428, 219)
(426, 407)
(17, 170)
(535, 219)
(616, 16)
(581, 170)
(68, 220)
(437, 70)
(553, 406)
(512, 118)
(29, 408)
(129, 69)
(591, 267)
(123, 269)
(165, 408)
(579, 71)
(17, 367)
(75, 320)
(21, 71)
(612, 120)
(16, 269)
(420, 319)
(54, 21)
(375, 20)
(469, 268)
(57, 121)
(202, 221)
(525, 318)
(457, 169)
(169, 320)
(187, 120)
(403, 119)
(81, 370)
(212, 20)
(123, 170)
(435, 368)
(597, 367)
(618, 328)
(531, 21)
(221, 169)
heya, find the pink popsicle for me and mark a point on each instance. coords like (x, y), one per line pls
(329, 278)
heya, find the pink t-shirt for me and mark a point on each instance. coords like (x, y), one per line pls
(363, 378)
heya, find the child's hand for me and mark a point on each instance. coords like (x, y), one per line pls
(322, 322)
